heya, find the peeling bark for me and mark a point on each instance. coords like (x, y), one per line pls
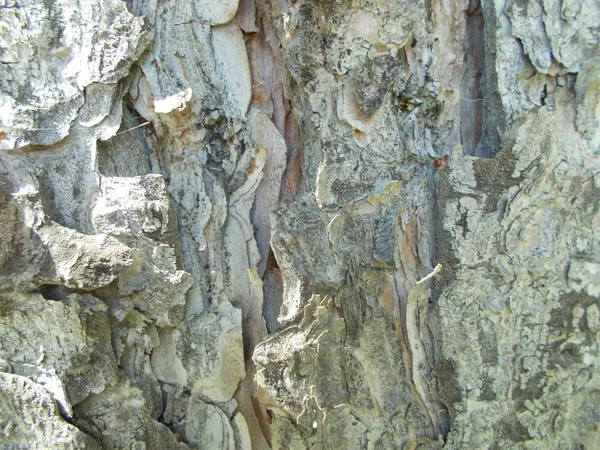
(219, 219)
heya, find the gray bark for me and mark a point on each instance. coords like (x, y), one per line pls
(221, 219)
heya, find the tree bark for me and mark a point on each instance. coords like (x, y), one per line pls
(221, 219)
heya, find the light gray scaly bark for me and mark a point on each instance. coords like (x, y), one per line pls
(220, 221)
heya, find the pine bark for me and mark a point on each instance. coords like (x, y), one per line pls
(221, 219)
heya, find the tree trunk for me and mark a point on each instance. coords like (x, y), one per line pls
(300, 224)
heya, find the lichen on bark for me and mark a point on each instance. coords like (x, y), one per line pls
(218, 218)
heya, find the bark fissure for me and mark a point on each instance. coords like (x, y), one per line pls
(218, 218)
(473, 83)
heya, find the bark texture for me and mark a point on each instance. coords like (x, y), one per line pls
(221, 219)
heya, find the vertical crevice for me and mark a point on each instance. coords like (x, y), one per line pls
(481, 123)
(293, 171)
(271, 94)
(271, 124)
(273, 293)
(494, 117)
(472, 99)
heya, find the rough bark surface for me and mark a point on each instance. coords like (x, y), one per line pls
(220, 221)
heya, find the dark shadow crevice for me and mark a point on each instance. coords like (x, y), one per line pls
(482, 124)
(472, 100)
